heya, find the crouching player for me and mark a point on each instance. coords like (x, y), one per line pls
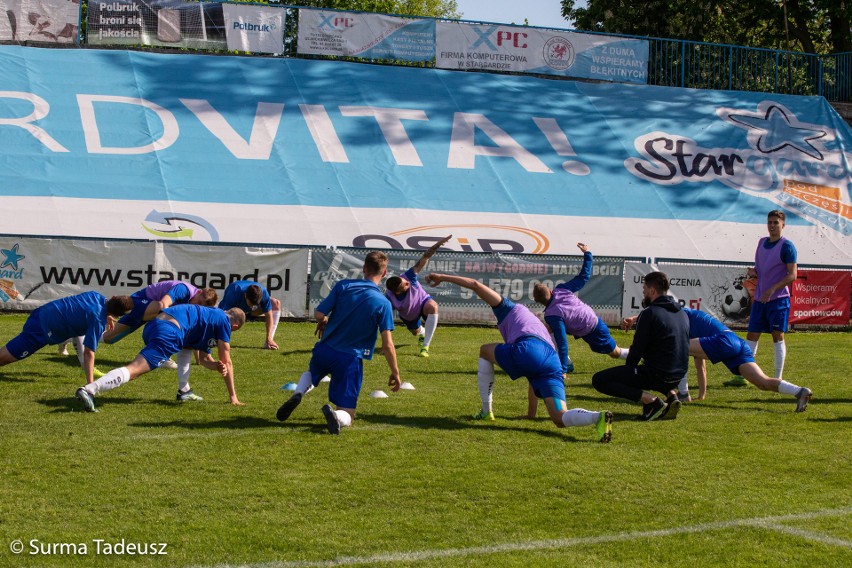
(711, 339)
(413, 303)
(179, 329)
(528, 352)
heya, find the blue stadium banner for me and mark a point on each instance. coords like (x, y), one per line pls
(119, 144)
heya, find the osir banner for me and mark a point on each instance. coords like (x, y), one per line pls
(528, 50)
(256, 29)
(35, 271)
(510, 276)
(47, 21)
(374, 36)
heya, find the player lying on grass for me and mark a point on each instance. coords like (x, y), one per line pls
(348, 321)
(179, 329)
(85, 315)
(527, 351)
(412, 302)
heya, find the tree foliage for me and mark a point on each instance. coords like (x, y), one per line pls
(432, 8)
(812, 26)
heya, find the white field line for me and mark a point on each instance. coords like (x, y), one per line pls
(770, 523)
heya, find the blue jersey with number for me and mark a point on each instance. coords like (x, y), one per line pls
(357, 311)
(84, 314)
(202, 327)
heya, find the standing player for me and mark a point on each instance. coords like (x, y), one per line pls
(254, 300)
(412, 302)
(528, 352)
(775, 268)
(662, 343)
(347, 324)
(711, 339)
(179, 329)
(84, 315)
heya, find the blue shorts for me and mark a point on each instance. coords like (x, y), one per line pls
(162, 340)
(346, 370)
(31, 338)
(600, 340)
(727, 348)
(133, 320)
(536, 360)
(769, 317)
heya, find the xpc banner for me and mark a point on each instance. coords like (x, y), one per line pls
(528, 50)
(356, 34)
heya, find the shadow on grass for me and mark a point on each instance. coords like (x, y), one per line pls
(838, 419)
(447, 423)
(235, 423)
(71, 403)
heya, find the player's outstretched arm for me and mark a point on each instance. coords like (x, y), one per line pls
(389, 351)
(701, 377)
(89, 365)
(485, 293)
(226, 367)
(322, 319)
(269, 317)
(421, 264)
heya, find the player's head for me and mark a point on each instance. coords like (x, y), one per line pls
(376, 264)
(398, 285)
(237, 317)
(656, 284)
(254, 295)
(775, 221)
(542, 294)
(117, 306)
(205, 297)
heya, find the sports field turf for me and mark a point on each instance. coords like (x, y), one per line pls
(736, 480)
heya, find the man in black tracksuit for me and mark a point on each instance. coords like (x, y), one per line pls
(662, 343)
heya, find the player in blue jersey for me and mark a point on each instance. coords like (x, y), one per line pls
(775, 266)
(527, 351)
(412, 302)
(179, 329)
(711, 339)
(348, 322)
(254, 300)
(84, 315)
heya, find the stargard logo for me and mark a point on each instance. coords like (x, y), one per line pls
(10, 271)
(470, 237)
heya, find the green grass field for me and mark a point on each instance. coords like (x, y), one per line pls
(736, 480)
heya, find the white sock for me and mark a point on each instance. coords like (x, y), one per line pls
(683, 385)
(780, 355)
(184, 360)
(431, 325)
(78, 345)
(421, 331)
(580, 417)
(111, 380)
(276, 317)
(788, 388)
(344, 418)
(485, 380)
(305, 384)
(624, 352)
(753, 346)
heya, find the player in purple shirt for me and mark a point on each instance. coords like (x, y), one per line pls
(348, 321)
(84, 315)
(528, 352)
(412, 302)
(179, 329)
(775, 268)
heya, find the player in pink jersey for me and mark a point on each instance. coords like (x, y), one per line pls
(527, 351)
(412, 302)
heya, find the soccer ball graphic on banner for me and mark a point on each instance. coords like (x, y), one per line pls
(736, 302)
